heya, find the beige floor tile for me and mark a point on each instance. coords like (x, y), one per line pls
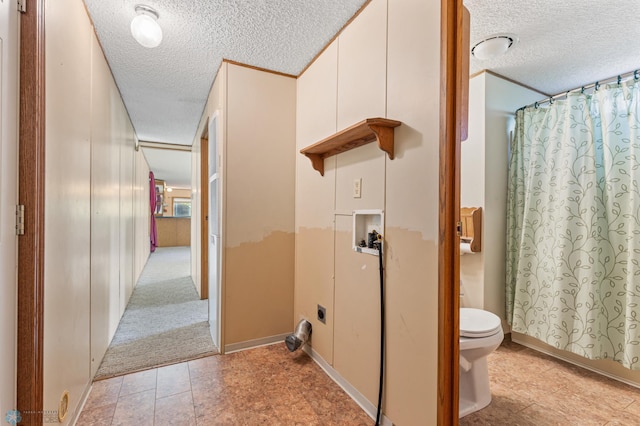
(103, 392)
(101, 416)
(138, 382)
(135, 410)
(175, 410)
(532, 388)
(173, 379)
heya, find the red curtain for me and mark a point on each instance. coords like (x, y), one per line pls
(153, 202)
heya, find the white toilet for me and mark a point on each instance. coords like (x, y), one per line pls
(480, 334)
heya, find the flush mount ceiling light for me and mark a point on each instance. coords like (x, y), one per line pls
(145, 28)
(493, 46)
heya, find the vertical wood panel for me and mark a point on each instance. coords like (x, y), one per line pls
(31, 195)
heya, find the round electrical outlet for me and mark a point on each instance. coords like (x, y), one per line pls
(322, 314)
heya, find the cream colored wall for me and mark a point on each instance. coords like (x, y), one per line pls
(90, 196)
(105, 208)
(142, 214)
(472, 184)
(386, 63)
(256, 146)
(67, 304)
(259, 204)
(484, 160)
(316, 109)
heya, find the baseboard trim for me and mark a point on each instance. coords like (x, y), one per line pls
(250, 344)
(556, 355)
(358, 397)
(83, 400)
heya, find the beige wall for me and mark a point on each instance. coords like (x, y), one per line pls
(386, 63)
(256, 147)
(91, 196)
(484, 160)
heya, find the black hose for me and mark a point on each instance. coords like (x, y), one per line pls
(379, 414)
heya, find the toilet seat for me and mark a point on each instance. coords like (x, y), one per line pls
(477, 323)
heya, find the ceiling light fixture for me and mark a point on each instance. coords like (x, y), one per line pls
(145, 28)
(493, 46)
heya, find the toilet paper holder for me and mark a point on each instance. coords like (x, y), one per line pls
(470, 227)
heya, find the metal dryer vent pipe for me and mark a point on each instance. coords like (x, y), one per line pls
(300, 336)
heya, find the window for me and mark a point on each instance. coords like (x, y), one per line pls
(182, 207)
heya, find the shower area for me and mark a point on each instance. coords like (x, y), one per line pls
(573, 223)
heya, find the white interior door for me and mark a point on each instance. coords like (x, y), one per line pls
(213, 233)
(9, 61)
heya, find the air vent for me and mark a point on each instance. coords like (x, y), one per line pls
(63, 407)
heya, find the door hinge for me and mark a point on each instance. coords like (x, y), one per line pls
(22, 6)
(459, 229)
(20, 219)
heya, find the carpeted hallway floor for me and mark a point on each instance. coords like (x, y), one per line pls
(165, 321)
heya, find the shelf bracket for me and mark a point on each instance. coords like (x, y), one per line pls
(384, 135)
(317, 162)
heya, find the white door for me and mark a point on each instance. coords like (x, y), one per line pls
(214, 233)
(9, 63)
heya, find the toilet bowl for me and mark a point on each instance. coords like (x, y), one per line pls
(480, 334)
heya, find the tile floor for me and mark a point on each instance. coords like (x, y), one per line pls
(531, 388)
(270, 385)
(267, 385)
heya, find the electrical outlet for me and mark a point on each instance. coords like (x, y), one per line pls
(357, 188)
(322, 314)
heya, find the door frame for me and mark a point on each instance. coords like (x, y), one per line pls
(214, 137)
(31, 177)
(204, 212)
(452, 123)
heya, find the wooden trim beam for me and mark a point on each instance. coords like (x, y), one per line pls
(240, 64)
(163, 145)
(204, 215)
(31, 169)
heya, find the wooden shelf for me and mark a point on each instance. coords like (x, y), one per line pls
(364, 132)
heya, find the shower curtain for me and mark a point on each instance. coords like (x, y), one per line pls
(573, 218)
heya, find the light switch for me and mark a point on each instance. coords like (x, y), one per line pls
(357, 188)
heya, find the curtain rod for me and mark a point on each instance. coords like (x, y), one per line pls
(635, 74)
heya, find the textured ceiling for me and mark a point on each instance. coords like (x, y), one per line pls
(165, 88)
(564, 44)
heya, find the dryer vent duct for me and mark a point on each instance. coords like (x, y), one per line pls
(300, 336)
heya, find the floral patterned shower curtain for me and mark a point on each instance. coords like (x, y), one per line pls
(573, 237)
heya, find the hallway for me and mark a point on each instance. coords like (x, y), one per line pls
(165, 321)
(265, 385)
